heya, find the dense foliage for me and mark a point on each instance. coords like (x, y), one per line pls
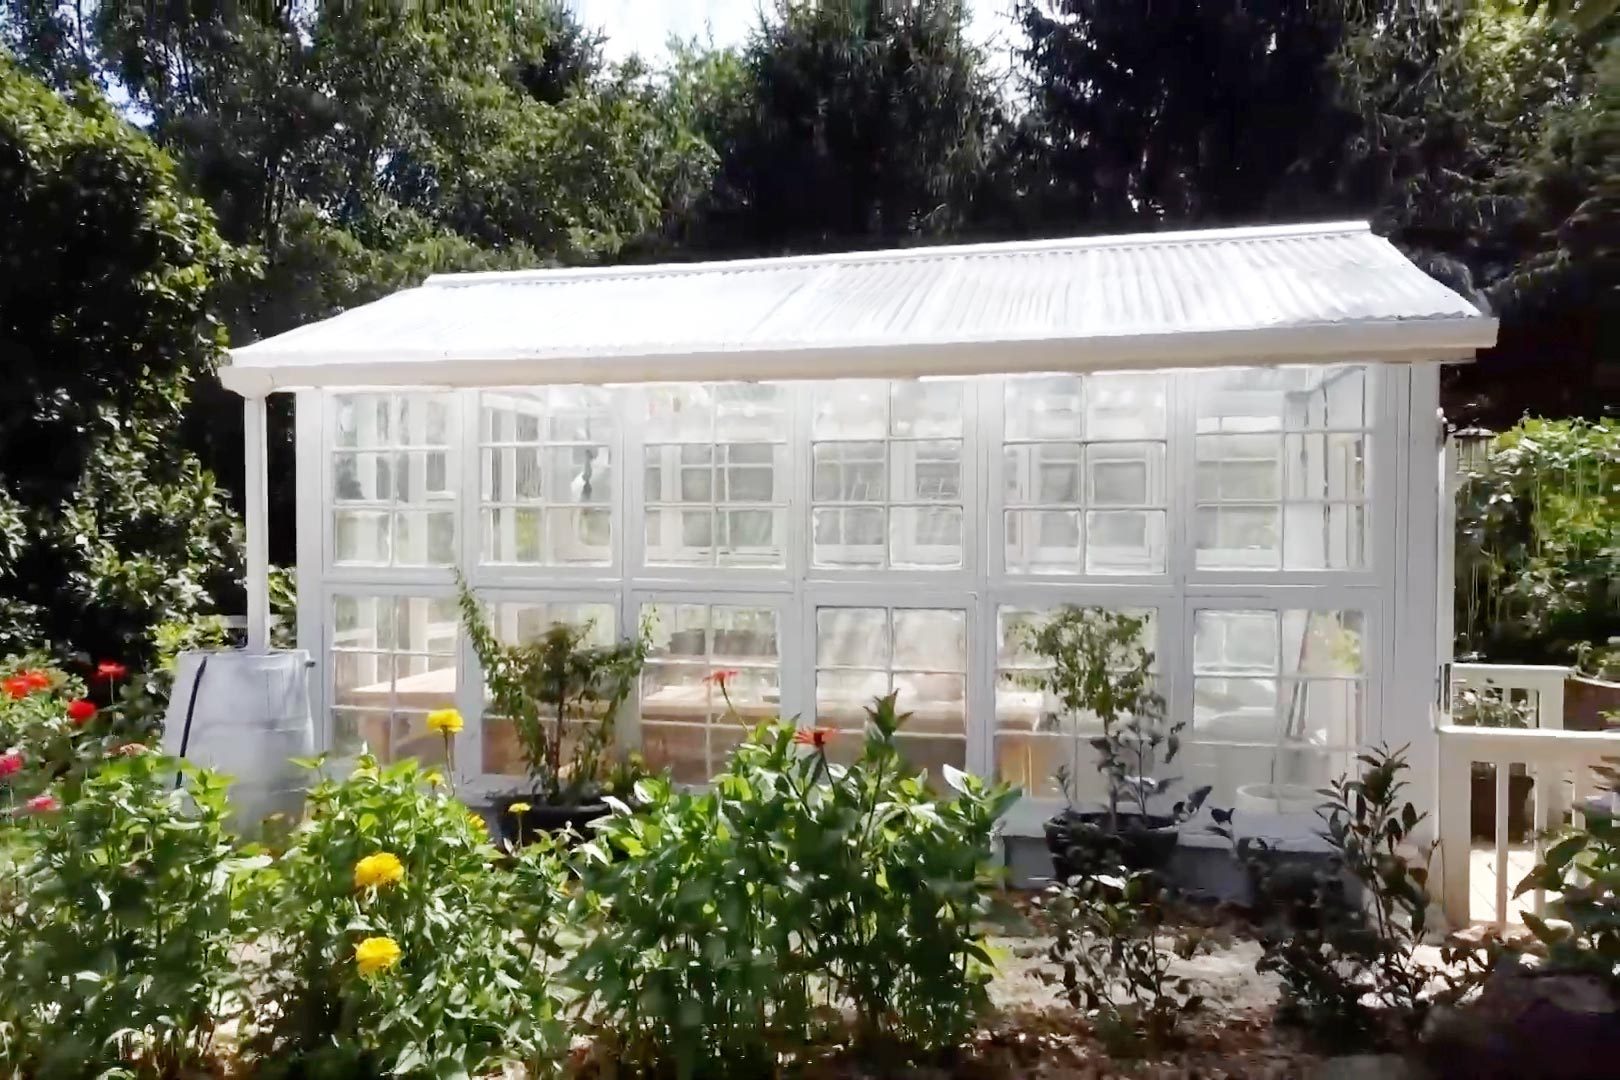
(387, 947)
(1538, 546)
(106, 280)
(736, 922)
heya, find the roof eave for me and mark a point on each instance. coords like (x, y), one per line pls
(1395, 340)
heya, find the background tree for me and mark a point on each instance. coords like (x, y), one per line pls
(851, 123)
(105, 281)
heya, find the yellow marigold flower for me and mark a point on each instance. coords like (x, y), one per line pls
(444, 721)
(477, 822)
(376, 954)
(382, 868)
(520, 808)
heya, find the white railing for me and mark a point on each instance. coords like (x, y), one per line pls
(1560, 765)
(1541, 686)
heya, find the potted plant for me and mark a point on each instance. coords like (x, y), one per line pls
(1484, 709)
(1100, 668)
(562, 695)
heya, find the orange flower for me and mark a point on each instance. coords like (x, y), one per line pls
(721, 678)
(17, 686)
(817, 737)
(111, 669)
(80, 710)
(36, 679)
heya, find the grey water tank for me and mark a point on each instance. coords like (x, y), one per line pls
(245, 715)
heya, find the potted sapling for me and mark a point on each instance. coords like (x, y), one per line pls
(562, 695)
(1100, 669)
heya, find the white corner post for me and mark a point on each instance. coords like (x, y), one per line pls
(256, 466)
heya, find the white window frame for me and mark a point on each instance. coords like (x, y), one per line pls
(1398, 502)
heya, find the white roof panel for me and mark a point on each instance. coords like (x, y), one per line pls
(1302, 293)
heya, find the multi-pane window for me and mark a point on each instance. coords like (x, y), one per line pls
(1035, 735)
(715, 487)
(1279, 696)
(393, 662)
(1282, 468)
(547, 480)
(521, 622)
(701, 655)
(1084, 471)
(886, 475)
(866, 652)
(393, 480)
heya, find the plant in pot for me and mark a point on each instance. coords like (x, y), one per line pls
(1100, 668)
(1481, 708)
(562, 695)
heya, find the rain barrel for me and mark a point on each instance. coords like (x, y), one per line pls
(245, 715)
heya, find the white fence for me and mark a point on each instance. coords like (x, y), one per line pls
(1537, 685)
(1559, 764)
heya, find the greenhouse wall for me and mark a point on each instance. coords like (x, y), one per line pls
(830, 541)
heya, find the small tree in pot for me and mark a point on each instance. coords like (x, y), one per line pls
(1100, 667)
(562, 695)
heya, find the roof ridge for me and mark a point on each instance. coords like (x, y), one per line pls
(879, 257)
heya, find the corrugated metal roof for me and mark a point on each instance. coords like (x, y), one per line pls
(1164, 299)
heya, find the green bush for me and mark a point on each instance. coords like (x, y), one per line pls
(728, 923)
(1582, 872)
(386, 944)
(1538, 544)
(116, 943)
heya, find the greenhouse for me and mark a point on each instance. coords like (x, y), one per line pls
(841, 475)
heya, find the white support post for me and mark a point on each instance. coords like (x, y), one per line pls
(256, 490)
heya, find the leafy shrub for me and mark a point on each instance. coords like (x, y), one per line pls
(115, 947)
(1347, 962)
(1582, 928)
(729, 921)
(1538, 568)
(1110, 946)
(386, 947)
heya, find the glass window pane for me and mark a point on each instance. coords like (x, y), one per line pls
(851, 409)
(930, 640)
(1043, 541)
(362, 537)
(1126, 406)
(852, 637)
(925, 537)
(1238, 537)
(680, 413)
(931, 409)
(1125, 542)
(363, 477)
(848, 537)
(424, 538)
(1230, 641)
(849, 472)
(1043, 407)
(927, 471)
(842, 696)
(750, 411)
(1125, 474)
(1236, 710)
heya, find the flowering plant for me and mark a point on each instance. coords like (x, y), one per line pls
(388, 948)
(115, 949)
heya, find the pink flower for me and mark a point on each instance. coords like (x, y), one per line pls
(111, 670)
(11, 763)
(42, 804)
(80, 710)
(721, 678)
(130, 749)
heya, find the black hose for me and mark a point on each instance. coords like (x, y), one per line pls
(191, 710)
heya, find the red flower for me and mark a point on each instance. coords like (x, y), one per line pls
(816, 737)
(42, 804)
(111, 669)
(17, 686)
(80, 710)
(721, 678)
(11, 762)
(36, 679)
(130, 749)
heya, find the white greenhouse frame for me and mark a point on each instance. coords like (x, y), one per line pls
(1399, 589)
